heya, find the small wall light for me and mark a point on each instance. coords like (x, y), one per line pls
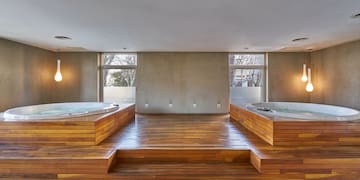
(304, 77)
(218, 105)
(194, 105)
(170, 104)
(146, 105)
(309, 85)
(58, 76)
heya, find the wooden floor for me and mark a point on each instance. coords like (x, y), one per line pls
(180, 131)
(181, 147)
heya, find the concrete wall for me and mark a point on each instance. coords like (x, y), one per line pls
(27, 76)
(285, 70)
(79, 82)
(26, 72)
(336, 76)
(183, 79)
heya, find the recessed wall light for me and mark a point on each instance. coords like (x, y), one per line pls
(356, 15)
(62, 37)
(124, 48)
(300, 39)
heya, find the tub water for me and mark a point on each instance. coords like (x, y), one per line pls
(58, 110)
(304, 111)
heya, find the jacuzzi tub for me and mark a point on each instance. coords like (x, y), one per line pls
(291, 123)
(304, 111)
(58, 110)
(78, 123)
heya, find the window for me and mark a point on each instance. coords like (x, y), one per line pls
(247, 78)
(118, 72)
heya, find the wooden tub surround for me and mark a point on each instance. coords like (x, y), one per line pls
(87, 130)
(295, 132)
(259, 125)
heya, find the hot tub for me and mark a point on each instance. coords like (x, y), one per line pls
(292, 123)
(304, 111)
(76, 123)
(58, 111)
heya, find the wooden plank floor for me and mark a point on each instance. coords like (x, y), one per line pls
(180, 131)
(149, 136)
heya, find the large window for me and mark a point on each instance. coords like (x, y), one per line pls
(118, 77)
(247, 78)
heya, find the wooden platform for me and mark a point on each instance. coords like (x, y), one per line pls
(295, 132)
(180, 131)
(88, 130)
(181, 147)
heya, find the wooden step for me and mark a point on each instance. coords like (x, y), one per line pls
(313, 165)
(169, 171)
(182, 155)
(54, 166)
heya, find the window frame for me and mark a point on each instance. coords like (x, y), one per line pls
(103, 67)
(264, 68)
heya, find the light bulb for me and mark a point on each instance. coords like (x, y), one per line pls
(304, 77)
(309, 85)
(58, 76)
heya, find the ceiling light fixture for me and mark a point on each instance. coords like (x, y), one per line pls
(62, 37)
(304, 76)
(356, 16)
(58, 76)
(309, 85)
(300, 39)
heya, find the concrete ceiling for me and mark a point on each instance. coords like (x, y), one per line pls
(180, 25)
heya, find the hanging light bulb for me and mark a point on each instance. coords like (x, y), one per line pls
(304, 78)
(58, 76)
(309, 85)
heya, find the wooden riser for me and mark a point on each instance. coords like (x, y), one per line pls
(183, 156)
(54, 166)
(313, 166)
(309, 165)
(292, 132)
(196, 171)
(258, 125)
(223, 171)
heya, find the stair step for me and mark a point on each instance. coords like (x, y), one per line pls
(156, 169)
(183, 156)
(213, 171)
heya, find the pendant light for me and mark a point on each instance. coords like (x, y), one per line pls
(304, 78)
(58, 76)
(309, 85)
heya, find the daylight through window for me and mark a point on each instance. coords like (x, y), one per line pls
(247, 77)
(118, 77)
